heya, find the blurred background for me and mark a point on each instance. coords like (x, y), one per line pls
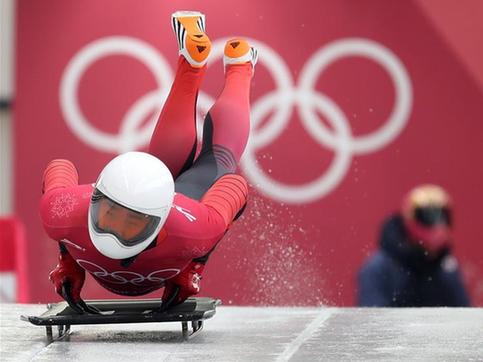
(353, 104)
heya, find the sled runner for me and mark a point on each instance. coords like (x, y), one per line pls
(111, 311)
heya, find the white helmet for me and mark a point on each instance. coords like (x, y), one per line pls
(130, 204)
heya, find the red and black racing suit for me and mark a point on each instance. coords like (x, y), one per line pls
(209, 194)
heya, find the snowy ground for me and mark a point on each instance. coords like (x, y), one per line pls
(260, 334)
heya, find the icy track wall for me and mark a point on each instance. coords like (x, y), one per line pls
(346, 118)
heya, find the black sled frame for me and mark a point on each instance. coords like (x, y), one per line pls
(112, 311)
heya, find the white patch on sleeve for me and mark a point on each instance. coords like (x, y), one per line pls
(62, 205)
(185, 212)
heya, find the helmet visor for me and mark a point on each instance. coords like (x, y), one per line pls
(130, 227)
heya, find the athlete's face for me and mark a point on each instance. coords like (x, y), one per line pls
(126, 223)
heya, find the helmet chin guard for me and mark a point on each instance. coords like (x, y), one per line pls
(134, 187)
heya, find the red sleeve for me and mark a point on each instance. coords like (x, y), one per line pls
(60, 200)
(58, 174)
(227, 196)
(194, 227)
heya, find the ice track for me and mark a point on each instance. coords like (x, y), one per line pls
(260, 334)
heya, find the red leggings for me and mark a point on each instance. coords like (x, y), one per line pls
(225, 132)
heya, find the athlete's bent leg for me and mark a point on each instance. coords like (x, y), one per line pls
(230, 114)
(174, 138)
(227, 124)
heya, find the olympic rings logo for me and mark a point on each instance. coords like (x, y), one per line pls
(279, 104)
(127, 277)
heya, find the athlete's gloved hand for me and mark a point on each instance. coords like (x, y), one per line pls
(182, 286)
(68, 278)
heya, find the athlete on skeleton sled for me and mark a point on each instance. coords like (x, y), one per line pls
(152, 219)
